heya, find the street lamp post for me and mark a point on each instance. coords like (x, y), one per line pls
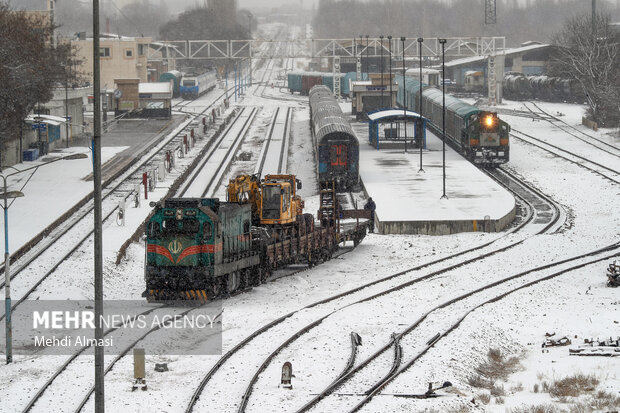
(381, 37)
(6, 195)
(443, 111)
(7, 272)
(98, 218)
(420, 40)
(402, 39)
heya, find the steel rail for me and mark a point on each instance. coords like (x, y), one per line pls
(380, 385)
(528, 138)
(227, 157)
(555, 118)
(196, 395)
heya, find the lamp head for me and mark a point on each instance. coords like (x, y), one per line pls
(402, 39)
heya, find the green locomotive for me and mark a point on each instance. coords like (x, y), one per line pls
(200, 248)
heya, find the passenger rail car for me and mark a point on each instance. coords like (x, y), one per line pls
(193, 86)
(480, 136)
(336, 143)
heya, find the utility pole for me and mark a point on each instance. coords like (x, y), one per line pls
(443, 111)
(381, 37)
(391, 81)
(67, 107)
(402, 39)
(420, 40)
(98, 230)
(367, 55)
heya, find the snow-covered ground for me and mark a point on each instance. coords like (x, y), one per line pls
(576, 304)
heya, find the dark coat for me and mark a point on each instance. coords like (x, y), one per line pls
(370, 205)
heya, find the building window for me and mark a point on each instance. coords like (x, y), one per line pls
(128, 52)
(104, 52)
(140, 50)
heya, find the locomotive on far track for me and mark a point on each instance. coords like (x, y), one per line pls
(193, 86)
(480, 136)
(336, 143)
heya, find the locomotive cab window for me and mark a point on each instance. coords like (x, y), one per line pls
(207, 231)
(271, 202)
(154, 230)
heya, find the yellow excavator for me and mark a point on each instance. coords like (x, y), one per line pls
(273, 199)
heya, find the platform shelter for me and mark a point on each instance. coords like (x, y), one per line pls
(397, 126)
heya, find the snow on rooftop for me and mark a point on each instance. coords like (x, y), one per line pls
(156, 87)
(507, 52)
(391, 112)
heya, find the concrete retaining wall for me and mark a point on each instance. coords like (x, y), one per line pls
(444, 227)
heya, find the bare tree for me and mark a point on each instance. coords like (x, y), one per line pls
(592, 57)
(30, 67)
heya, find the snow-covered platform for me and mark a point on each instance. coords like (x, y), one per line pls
(410, 202)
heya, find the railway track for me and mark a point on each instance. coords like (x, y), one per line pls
(604, 171)
(274, 153)
(540, 210)
(296, 321)
(67, 240)
(577, 133)
(443, 317)
(203, 181)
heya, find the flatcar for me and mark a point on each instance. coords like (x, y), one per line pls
(201, 248)
(193, 86)
(336, 143)
(480, 136)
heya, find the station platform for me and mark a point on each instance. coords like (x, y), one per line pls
(410, 202)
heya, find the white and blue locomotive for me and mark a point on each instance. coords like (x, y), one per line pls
(193, 86)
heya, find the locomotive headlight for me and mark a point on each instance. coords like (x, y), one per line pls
(179, 213)
(489, 121)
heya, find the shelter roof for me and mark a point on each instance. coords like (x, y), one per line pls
(391, 113)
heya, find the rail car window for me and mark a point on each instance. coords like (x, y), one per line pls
(207, 230)
(189, 83)
(173, 226)
(246, 227)
(154, 230)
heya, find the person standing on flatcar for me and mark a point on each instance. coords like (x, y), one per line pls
(371, 206)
